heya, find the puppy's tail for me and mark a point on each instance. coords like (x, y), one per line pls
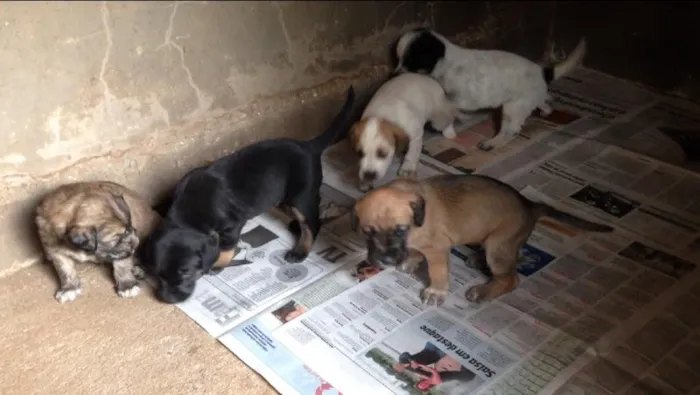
(551, 73)
(340, 123)
(544, 210)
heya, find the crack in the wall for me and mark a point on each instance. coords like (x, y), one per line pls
(391, 15)
(204, 100)
(108, 36)
(292, 53)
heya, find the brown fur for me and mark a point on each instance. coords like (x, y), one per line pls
(393, 133)
(396, 136)
(224, 259)
(459, 210)
(101, 222)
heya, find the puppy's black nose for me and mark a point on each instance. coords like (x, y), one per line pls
(369, 175)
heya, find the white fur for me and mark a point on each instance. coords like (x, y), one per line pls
(483, 79)
(68, 295)
(408, 101)
(130, 292)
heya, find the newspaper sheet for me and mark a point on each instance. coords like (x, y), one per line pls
(593, 314)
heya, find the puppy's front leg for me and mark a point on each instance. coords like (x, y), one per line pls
(68, 277)
(127, 284)
(410, 160)
(439, 272)
(228, 239)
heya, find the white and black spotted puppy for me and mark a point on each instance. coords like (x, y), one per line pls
(484, 79)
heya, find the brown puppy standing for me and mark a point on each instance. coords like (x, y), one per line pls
(100, 222)
(429, 217)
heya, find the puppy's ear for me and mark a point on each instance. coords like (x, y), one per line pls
(121, 209)
(418, 207)
(353, 220)
(213, 239)
(83, 237)
(399, 135)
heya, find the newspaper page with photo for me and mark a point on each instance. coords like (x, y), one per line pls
(255, 344)
(644, 196)
(578, 292)
(657, 353)
(253, 340)
(594, 313)
(668, 131)
(260, 275)
(584, 104)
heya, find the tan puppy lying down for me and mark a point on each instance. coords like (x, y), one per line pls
(430, 217)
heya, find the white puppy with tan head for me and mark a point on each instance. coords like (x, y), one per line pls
(394, 121)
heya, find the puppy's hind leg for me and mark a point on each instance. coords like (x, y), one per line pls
(126, 282)
(514, 115)
(545, 107)
(307, 218)
(69, 281)
(501, 257)
(443, 120)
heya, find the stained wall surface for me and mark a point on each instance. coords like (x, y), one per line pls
(141, 92)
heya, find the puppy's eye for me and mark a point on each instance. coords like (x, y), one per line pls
(359, 153)
(401, 230)
(381, 154)
(367, 231)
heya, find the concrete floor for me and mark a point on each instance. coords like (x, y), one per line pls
(102, 344)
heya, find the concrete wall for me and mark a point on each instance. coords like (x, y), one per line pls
(140, 92)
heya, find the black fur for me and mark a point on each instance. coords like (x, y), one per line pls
(387, 247)
(83, 238)
(423, 53)
(418, 208)
(548, 74)
(211, 204)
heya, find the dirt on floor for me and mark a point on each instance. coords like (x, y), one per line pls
(103, 344)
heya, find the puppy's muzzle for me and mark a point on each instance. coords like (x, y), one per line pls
(174, 295)
(385, 256)
(369, 176)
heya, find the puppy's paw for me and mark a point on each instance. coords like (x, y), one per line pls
(432, 296)
(478, 293)
(68, 294)
(138, 272)
(292, 256)
(449, 132)
(128, 289)
(406, 172)
(485, 146)
(365, 187)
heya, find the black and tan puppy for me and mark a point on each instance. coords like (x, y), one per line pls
(100, 222)
(429, 217)
(210, 205)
